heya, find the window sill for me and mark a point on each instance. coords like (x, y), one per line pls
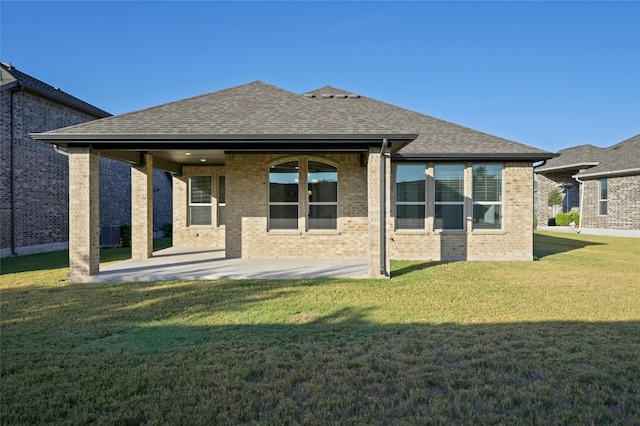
(283, 232)
(323, 232)
(489, 232)
(450, 231)
(411, 232)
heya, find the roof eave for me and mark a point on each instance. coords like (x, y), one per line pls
(125, 137)
(228, 141)
(567, 167)
(79, 105)
(498, 156)
(623, 172)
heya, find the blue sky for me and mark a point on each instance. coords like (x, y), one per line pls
(548, 74)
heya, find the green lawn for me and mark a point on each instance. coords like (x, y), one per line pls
(556, 341)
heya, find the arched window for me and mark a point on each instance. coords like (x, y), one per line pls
(284, 201)
(322, 188)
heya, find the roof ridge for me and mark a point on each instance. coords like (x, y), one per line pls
(166, 104)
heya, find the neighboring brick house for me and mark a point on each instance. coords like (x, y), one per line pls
(602, 183)
(265, 173)
(34, 178)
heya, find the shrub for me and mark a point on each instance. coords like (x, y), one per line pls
(565, 219)
(551, 221)
(126, 234)
(167, 227)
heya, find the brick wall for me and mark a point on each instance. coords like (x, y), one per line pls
(195, 236)
(41, 178)
(623, 205)
(549, 182)
(513, 242)
(246, 233)
(41, 174)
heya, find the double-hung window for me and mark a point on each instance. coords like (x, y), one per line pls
(322, 188)
(602, 196)
(284, 202)
(410, 197)
(487, 196)
(200, 200)
(449, 196)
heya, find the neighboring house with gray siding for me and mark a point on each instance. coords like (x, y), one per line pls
(34, 178)
(602, 183)
(261, 172)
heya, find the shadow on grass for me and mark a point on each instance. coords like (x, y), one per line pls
(547, 245)
(60, 259)
(158, 353)
(400, 268)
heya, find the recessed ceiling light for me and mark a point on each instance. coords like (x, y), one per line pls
(187, 153)
(203, 159)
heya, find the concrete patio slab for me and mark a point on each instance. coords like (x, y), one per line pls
(182, 263)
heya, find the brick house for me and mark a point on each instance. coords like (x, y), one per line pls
(602, 183)
(34, 178)
(265, 173)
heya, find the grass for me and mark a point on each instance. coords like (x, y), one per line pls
(551, 341)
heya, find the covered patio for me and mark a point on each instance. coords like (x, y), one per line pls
(234, 142)
(197, 263)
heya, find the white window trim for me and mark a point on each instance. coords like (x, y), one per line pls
(321, 203)
(450, 203)
(489, 203)
(217, 198)
(424, 203)
(282, 203)
(192, 204)
(602, 200)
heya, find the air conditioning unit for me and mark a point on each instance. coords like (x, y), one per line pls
(110, 236)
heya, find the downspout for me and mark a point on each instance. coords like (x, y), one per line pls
(383, 210)
(581, 200)
(57, 149)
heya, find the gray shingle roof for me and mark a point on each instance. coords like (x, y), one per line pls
(622, 158)
(254, 108)
(577, 157)
(10, 77)
(261, 109)
(436, 138)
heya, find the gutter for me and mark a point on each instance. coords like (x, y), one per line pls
(621, 172)
(383, 210)
(497, 156)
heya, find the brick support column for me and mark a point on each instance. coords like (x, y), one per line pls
(84, 213)
(142, 209)
(378, 267)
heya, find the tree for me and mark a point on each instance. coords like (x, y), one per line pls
(555, 198)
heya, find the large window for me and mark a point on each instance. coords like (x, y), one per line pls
(602, 196)
(283, 196)
(487, 196)
(449, 196)
(221, 201)
(200, 200)
(410, 197)
(322, 188)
